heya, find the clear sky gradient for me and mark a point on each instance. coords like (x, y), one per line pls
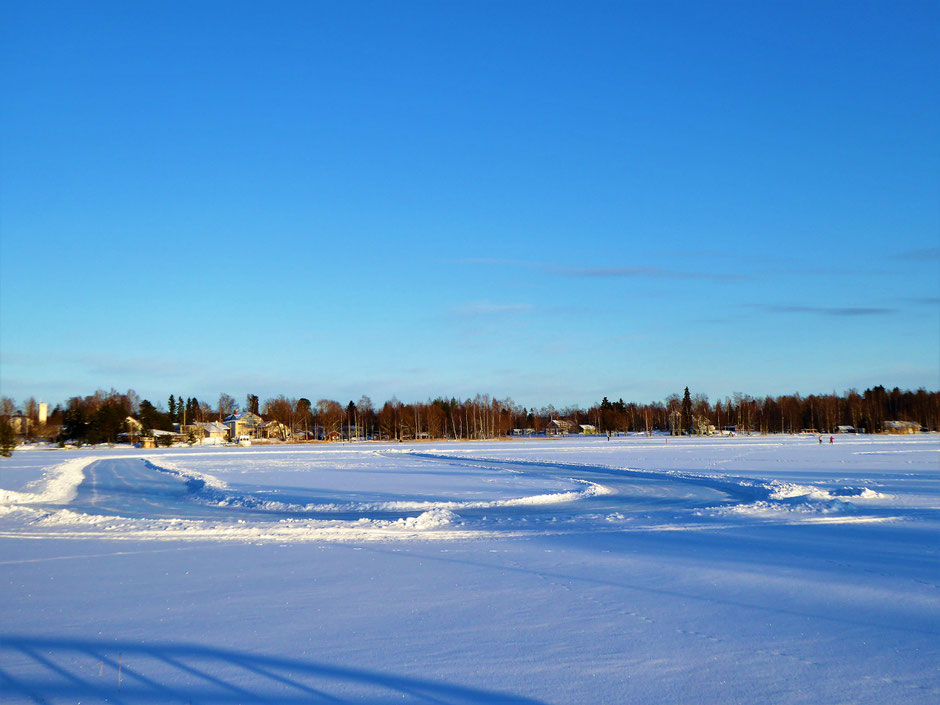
(551, 201)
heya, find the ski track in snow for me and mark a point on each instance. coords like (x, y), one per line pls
(45, 510)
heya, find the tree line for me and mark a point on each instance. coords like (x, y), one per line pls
(102, 416)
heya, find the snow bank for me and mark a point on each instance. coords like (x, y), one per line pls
(67, 524)
(197, 480)
(809, 503)
(59, 485)
(782, 490)
(432, 519)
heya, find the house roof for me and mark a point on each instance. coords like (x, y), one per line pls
(212, 426)
(245, 417)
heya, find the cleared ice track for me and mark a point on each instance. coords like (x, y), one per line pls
(135, 497)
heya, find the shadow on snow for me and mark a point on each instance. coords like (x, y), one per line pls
(52, 670)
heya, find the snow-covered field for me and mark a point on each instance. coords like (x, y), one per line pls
(718, 570)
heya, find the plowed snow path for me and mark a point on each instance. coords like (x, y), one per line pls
(134, 497)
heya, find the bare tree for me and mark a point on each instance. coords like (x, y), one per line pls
(330, 414)
(226, 406)
(302, 413)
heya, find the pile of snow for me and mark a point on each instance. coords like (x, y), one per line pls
(871, 494)
(431, 519)
(787, 499)
(789, 490)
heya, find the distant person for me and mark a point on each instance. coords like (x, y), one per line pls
(832, 439)
(820, 440)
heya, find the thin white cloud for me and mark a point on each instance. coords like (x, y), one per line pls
(487, 308)
(848, 311)
(647, 272)
(924, 253)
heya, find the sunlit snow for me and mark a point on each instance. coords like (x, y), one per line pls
(654, 570)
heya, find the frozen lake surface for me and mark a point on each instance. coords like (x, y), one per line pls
(750, 569)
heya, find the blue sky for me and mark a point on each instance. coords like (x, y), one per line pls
(545, 200)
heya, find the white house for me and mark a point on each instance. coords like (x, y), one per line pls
(245, 423)
(558, 427)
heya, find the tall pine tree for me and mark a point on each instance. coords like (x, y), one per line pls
(687, 410)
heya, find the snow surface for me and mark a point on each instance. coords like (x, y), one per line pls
(717, 570)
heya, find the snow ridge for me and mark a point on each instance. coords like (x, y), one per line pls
(212, 491)
(58, 485)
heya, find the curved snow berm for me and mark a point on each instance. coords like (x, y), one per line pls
(742, 496)
(211, 491)
(58, 485)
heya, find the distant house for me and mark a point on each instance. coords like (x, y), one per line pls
(165, 437)
(587, 429)
(353, 431)
(206, 431)
(245, 423)
(901, 427)
(134, 430)
(845, 429)
(558, 427)
(275, 429)
(214, 429)
(312, 433)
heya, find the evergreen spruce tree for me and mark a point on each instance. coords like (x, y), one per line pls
(687, 410)
(7, 439)
(171, 404)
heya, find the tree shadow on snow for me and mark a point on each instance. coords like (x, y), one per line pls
(48, 670)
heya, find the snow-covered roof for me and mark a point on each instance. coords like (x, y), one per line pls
(897, 425)
(212, 426)
(245, 416)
